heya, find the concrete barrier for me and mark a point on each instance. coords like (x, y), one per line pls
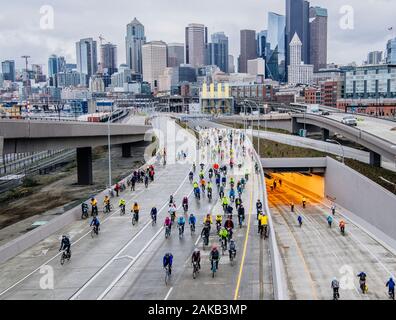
(278, 279)
(368, 201)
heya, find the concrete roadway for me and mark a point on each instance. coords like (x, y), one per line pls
(314, 254)
(125, 261)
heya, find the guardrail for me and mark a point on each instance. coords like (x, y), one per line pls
(280, 291)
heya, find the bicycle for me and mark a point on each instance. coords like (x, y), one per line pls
(167, 274)
(210, 194)
(240, 221)
(122, 212)
(264, 232)
(391, 294)
(192, 228)
(94, 231)
(153, 220)
(107, 208)
(214, 267)
(336, 294)
(232, 257)
(205, 241)
(65, 256)
(223, 246)
(195, 269)
(167, 232)
(135, 218)
(185, 208)
(181, 231)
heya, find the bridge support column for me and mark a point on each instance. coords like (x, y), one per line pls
(84, 166)
(294, 126)
(325, 134)
(375, 159)
(126, 150)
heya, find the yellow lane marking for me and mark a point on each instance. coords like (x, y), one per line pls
(245, 244)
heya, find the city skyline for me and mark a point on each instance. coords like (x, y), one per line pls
(28, 38)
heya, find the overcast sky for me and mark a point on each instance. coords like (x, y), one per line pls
(20, 31)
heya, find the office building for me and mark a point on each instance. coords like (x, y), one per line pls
(134, 41)
(374, 57)
(196, 44)
(154, 62)
(108, 58)
(218, 51)
(262, 44)
(231, 64)
(69, 79)
(298, 72)
(297, 21)
(256, 67)
(175, 54)
(56, 64)
(248, 49)
(276, 53)
(318, 38)
(87, 62)
(8, 70)
(391, 51)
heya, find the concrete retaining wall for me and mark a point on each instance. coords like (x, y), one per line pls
(367, 200)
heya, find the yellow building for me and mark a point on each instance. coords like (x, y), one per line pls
(216, 101)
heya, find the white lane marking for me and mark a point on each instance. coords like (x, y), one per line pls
(75, 295)
(168, 294)
(196, 242)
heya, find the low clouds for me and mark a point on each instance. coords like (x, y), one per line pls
(165, 20)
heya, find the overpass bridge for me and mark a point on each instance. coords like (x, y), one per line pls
(309, 165)
(19, 136)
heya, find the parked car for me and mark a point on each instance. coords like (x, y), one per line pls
(325, 113)
(349, 120)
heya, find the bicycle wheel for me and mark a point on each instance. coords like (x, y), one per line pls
(167, 275)
(92, 233)
(133, 221)
(62, 260)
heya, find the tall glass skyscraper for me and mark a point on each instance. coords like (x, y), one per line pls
(318, 37)
(275, 58)
(262, 44)
(218, 51)
(55, 65)
(87, 60)
(297, 21)
(134, 40)
(8, 68)
(391, 51)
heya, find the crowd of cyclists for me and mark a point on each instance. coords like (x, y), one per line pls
(215, 175)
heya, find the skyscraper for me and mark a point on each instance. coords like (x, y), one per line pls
(391, 51)
(297, 21)
(298, 72)
(154, 62)
(231, 64)
(262, 44)
(275, 59)
(87, 61)
(8, 68)
(196, 44)
(318, 37)
(374, 57)
(134, 40)
(248, 49)
(175, 54)
(55, 65)
(108, 58)
(218, 51)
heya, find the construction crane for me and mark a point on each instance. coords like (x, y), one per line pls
(26, 61)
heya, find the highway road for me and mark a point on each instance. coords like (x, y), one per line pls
(314, 254)
(125, 261)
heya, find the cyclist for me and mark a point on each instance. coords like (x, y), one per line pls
(224, 180)
(299, 219)
(333, 208)
(329, 220)
(208, 219)
(95, 223)
(219, 221)
(201, 175)
(65, 244)
(241, 213)
(225, 203)
(391, 287)
(153, 214)
(292, 207)
(335, 285)
(205, 232)
(94, 204)
(210, 173)
(193, 167)
(191, 176)
(122, 204)
(210, 187)
(217, 180)
(259, 207)
(232, 182)
(221, 192)
(342, 226)
(214, 257)
(84, 209)
(246, 174)
(181, 222)
(168, 223)
(106, 202)
(304, 202)
(185, 204)
(172, 212)
(196, 257)
(263, 223)
(232, 195)
(135, 210)
(256, 167)
(171, 200)
(223, 234)
(167, 261)
(232, 248)
(362, 281)
(203, 184)
(192, 221)
(229, 225)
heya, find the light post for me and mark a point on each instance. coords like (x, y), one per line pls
(109, 145)
(342, 148)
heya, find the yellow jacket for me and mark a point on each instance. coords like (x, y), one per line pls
(263, 220)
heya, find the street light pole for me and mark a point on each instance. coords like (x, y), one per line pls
(342, 148)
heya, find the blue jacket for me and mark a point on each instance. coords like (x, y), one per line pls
(167, 260)
(232, 193)
(192, 220)
(181, 220)
(329, 219)
(217, 180)
(94, 222)
(390, 284)
(299, 218)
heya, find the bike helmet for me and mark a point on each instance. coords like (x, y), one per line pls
(196, 250)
